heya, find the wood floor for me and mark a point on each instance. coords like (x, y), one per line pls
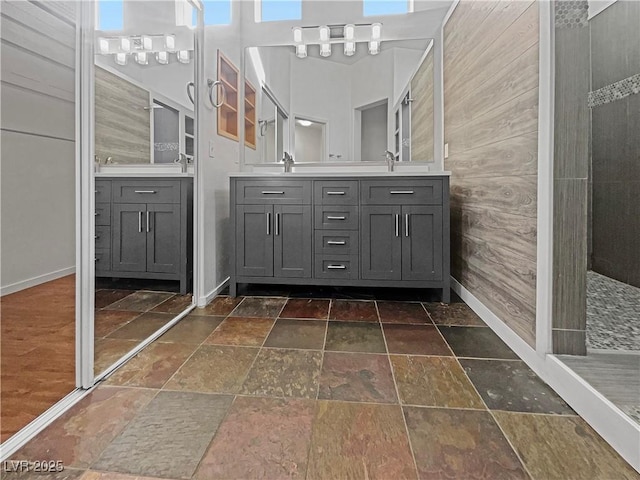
(37, 350)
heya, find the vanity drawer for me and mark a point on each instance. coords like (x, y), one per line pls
(335, 192)
(103, 260)
(344, 267)
(103, 191)
(290, 192)
(146, 191)
(103, 237)
(336, 242)
(401, 192)
(103, 214)
(336, 217)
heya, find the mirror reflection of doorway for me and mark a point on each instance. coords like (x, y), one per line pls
(309, 138)
(144, 144)
(373, 122)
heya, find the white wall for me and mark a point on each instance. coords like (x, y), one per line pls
(374, 124)
(37, 169)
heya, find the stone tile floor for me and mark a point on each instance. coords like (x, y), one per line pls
(283, 387)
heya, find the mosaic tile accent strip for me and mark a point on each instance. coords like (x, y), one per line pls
(165, 146)
(615, 91)
(572, 13)
(613, 314)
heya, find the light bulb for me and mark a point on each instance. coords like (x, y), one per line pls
(147, 42)
(170, 42)
(162, 58)
(374, 47)
(125, 44)
(376, 31)
(120, 58)
(103, 45)
(325, 49)
(324, 33)
(183, 56)
(349, 32)
(297, 34)
(142, 58)
(349, 48)
(301, 51)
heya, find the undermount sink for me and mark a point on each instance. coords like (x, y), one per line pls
(344, 168)
(144, 169)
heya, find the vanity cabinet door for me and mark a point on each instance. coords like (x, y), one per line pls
(421, 243)
(381, 242)
(129, 237)
(292, 241)
(162, 224)
(254, 240)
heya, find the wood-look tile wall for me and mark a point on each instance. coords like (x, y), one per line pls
(491, 126)
(122, 125)
(571, 169)
(422, 112)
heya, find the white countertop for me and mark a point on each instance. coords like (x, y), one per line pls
(316, 174)
(143, 175)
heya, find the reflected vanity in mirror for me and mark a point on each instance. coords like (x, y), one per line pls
(345, 108)
(144, 152)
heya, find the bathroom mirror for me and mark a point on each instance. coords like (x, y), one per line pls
(349, 108)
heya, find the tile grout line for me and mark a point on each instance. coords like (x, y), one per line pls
(400, 406)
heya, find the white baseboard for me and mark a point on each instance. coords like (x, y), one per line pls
(35, 281)
(206, 299)
(604, 417)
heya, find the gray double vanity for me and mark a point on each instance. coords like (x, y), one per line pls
(342, 229)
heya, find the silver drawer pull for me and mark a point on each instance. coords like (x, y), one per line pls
(335, 193)
(331, 217)
(272, 192)
(96, 237)
(96, 259)
(336, 267)
(144, 191)
(401, 192)
(95, 214)
(335, 242)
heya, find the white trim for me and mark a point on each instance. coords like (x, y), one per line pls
(42, 421)
(200, 155)
(35, 281)
(603, 416)
(544, 268)
(147, 341)
(450, 12)
(205, 300)
(598, 6)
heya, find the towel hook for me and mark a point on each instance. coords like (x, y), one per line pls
(189, 94)
(212, 84)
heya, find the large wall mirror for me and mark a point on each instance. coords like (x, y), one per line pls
(346, 108)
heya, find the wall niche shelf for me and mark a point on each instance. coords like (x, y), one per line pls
(249, 115)
(228, 111)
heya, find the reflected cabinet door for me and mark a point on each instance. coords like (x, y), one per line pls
(129, 237)
(162, 223)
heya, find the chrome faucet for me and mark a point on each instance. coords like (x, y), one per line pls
(288, 162)
(391, 159)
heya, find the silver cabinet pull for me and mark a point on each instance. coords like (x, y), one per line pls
(331, 217)
(336, 267)
(397, 225)
(335, 193)
(335, 242)
(144, 191)
(139, 222)
(401, 192)
(406, 225)
(268, 223)
(272, 192)
(148, 230)
(277, 224)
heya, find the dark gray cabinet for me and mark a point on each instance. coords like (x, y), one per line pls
(366, 231)
(144, 229)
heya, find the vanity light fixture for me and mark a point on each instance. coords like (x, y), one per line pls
(183, 56)
(142, 58)
(325, 33)
(325, 49)
(349, 31)
(301, 51)
(103, 45)
(170, 42)
(125, 44)
(376, 31)
(120, 58)
(374, 47)
(349, 48)
(147, 42)
(297, 34)
(162, 58)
